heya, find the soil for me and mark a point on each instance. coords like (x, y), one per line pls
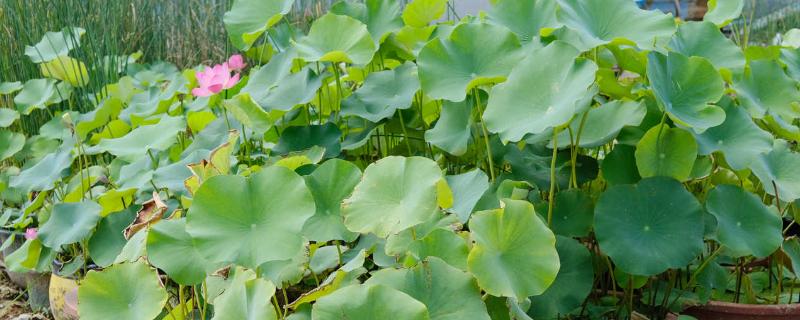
(13, 303)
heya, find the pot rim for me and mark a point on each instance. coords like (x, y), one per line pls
(750, 309)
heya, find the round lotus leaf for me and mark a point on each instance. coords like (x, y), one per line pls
(330, 184)
(383, 93)
(381, 16)
(419, 13)
(765, 88)
(539, 95)
(453, 130)
(619, 166)
(447, 292)
(69, 223)
(685, 87)
(10, 143)
(572, 213)
(704, 39)
(247, 20)
(524, 17)
(9, 88)
(604, 123)
(135, 144)
(738, 138)
(781, 167)
(42, 175)
(170, 248)
(368, 302)
(745, 225)
(396, 193)
(572, 285)
(514, 253)
(128, 291)
(299, 138)
(246, 297)
(249, 221)
(55, 44)
(107, 240)
(599, 22)
(443, 244)
(35, 94)
(473, 54)
(467, 189)
(723, 12)
(665, 151)
(7, 117)
(791, 58)
(335, 38)
(649, 227)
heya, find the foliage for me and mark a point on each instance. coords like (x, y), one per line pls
(551, 158)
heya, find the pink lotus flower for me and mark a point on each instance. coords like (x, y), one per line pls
(213, 80)
(30, 233)
(236, 62)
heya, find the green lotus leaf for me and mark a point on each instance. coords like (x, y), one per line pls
(7, 117)
(723, 12)
(383, 93)
(573, 282)
(249, 19)
(791, 247)
(67, 69)
(738, 138)
(453, 130)
(604, 123)
(447, 292)
(128, 291)
(467, 189)
(790, 57)
(10, 143)
(298, 138)
(170, 248)
(233, 218)
(765, 88)
(526, 18)
(514, 253)
(335, 38)
(619, 166)
(572, 213)
(137, 143)
(42, 175)
(473, 54)
(286, 273)
(704, 39)
(538, 95)
(668, 152)
(534, 163)
(104, 113)
(250, 114)
(263, 79)
(745, 225)
(55, 44)
(685, 87)
(381, 16)
(296, 88)
(246, 297)
(35, 94)
(419, 13)
(396, 193)
(69, 223)
(444, 244)
(330, 183)
(368, 302)
(649, 227)
(10, 87)
(781, 167)
(107, 241)
(598, 22)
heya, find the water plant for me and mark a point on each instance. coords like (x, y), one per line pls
(546, 159)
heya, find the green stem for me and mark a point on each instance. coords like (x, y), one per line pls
(485, 135)
(551, 195)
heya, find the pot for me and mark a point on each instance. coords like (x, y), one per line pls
(63, 298)
(716, 310)
(36, 283)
